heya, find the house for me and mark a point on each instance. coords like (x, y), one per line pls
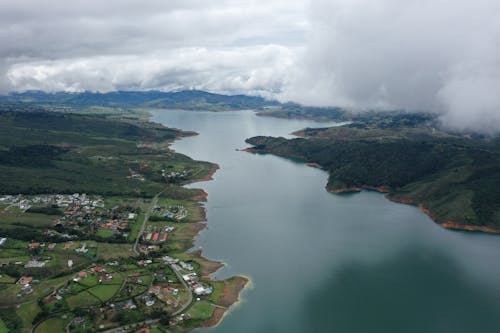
(82, 274)
(26, 289)
(170, 260)
(34, 245)
(82, 249)
(79, 320)
(202, 290)
(67, 245)
(24, 280)
(2, 241)
(34, 264)
(98, 269)
(186, 266)
(105, 277)
(155, 290)
(190, 277)
(143, 330)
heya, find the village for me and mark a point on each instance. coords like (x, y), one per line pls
(167, 284)
(174, 213)
(60, 200)
(75, 224)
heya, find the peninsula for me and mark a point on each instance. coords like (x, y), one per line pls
(452, 177)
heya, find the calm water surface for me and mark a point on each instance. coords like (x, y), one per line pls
(330, 263)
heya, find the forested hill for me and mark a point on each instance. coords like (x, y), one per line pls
(454, 178)
(188, 99)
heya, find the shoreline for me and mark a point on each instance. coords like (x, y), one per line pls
(207, 177)
(450, 225)
(231, 296)
(299, 117)
(234, 285)
(352, 189)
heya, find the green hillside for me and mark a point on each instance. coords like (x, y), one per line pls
(455, 177)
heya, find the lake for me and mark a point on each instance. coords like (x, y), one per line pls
(321, 262)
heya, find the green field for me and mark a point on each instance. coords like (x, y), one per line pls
(31, 220)
(108, 251)
(3, 328)
(82, 300)
(201, 310)
(105, 233)
(52, 325)
(27, 313)
(7, 279)
(105, 291)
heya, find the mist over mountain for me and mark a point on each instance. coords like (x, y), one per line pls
(440, 56)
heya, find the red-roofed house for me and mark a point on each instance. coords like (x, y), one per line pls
(143, 330)
(24, 280)
(97, 269)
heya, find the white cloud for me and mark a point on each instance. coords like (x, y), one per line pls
(439, 55)
(217, 70)
(226, 46)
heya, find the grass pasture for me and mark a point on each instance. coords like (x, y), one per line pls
(201, 310)
(104, 292)
(82, 300)
(27, 313)
(3, 328)
(108, 251)
(52, 325)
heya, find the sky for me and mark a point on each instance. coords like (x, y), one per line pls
(426, 55)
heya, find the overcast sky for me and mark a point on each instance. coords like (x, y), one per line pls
(438, 55)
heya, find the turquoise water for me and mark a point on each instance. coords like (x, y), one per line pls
(321, 262)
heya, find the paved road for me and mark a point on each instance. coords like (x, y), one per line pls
(146, 219)
(190, 299)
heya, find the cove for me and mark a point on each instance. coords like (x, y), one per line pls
(321, 262)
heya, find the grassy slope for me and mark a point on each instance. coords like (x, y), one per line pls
(452, 176)
(67, 153)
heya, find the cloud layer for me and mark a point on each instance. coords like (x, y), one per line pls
(439, 55)
(225, 46)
